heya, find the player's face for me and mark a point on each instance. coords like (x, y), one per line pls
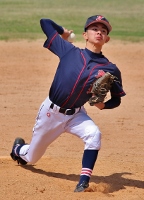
(97, 34)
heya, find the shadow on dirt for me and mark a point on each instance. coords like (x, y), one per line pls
(105, 184)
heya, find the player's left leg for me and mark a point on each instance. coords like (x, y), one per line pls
(82, 126)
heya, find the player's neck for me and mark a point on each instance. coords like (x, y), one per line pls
(94, 48)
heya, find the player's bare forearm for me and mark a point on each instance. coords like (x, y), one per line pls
(100, 105)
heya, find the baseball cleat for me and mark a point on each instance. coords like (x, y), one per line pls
(18, 142)
(81, 187)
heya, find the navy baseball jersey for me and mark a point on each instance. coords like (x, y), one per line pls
(77, 69)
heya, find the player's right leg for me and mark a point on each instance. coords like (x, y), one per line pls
(46, 129)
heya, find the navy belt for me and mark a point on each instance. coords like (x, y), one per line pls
(65, 110)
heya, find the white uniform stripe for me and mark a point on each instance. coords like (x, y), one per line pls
(86, 172)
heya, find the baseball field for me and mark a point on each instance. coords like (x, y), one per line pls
(26, 72)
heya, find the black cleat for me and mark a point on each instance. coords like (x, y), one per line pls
(81, 187)
(18, 142)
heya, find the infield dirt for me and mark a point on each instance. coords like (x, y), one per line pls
(26, 72)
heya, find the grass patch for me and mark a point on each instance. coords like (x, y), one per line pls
(20, 19)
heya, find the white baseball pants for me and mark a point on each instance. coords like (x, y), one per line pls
(50, 124)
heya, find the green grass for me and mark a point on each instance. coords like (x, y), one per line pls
(20, 19)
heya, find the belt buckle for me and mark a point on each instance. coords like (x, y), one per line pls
(67, 111)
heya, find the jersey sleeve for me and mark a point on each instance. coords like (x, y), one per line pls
(54, 42)
(48, 26)
(117, 87)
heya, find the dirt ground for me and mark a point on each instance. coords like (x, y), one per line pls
(26, 71)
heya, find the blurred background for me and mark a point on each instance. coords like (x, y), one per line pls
(20, 19)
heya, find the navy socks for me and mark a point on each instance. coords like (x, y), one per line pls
(88, 162)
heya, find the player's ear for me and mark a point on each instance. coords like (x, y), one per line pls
(85, 35)
(108, 39)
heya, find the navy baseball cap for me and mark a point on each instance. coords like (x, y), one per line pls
(97, 19)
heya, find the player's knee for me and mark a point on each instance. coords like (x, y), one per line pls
(92, 138)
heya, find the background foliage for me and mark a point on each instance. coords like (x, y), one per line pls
(19, 19)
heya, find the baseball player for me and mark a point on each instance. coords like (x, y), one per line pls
(63, 110)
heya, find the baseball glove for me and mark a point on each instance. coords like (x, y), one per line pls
(100, 88)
